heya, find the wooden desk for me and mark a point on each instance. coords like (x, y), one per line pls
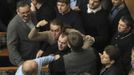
(3, 33)
(14, 68)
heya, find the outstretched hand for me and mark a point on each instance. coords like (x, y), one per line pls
(39, 53)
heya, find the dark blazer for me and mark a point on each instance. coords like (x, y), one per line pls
(115, 14)
(81, 62)
(19, 46)
(97, 25)
(113, 70)
(124, 42)
(72, 19)
(57, 67)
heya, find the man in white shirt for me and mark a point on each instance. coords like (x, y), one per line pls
(33, 67)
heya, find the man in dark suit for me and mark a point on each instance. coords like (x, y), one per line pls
(118, 10)
(131, 72)
(109, 60)
(68, 16)
(124, 40)
(79, 60)
(19, 46)
(96, 23)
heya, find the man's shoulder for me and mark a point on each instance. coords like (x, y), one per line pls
(89, 49)
(91, 52)
(15, 20)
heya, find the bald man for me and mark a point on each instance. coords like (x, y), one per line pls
(33, 67)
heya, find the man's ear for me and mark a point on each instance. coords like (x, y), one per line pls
(17, 10)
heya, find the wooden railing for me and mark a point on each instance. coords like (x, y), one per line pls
(2, 33)
(4, 52)
(14, 68)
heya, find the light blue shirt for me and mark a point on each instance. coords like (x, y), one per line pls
(40, 61)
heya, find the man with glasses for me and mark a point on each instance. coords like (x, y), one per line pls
(19, 46)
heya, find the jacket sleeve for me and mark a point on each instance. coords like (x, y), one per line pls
(37, 36)
(13, 45)
(44, 60)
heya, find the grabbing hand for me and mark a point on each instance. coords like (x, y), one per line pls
(42, 23)
(39, 53)
(33, 8)
(56, 57)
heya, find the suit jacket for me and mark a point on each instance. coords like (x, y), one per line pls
(57, 67)
(96, 25)
(84, 61)
(71, 19)
(19, 46)
(113, 70)
(115, 14)
(125, 42)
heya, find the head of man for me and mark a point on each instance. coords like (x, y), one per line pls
(23, 10)
(110, 55)
(62, 41)
(125, 24)
(63, 6)
(93, 4)
(75, 41)
(37, 1)
(116, 3)
(132, 57)
(30, 67)
(56, 28)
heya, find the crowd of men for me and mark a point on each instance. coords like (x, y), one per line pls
(75, 37)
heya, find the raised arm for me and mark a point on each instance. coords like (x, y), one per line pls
(46, 59)
(35, 35)
(88, 40)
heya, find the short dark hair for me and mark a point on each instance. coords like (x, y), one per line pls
(75, 40)
(113, 52)
(127, 20)
(57, 22)
(64, 34)
(22, 3)
(64, 1)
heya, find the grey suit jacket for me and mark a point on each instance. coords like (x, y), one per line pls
(84, 61)
(19, 46)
